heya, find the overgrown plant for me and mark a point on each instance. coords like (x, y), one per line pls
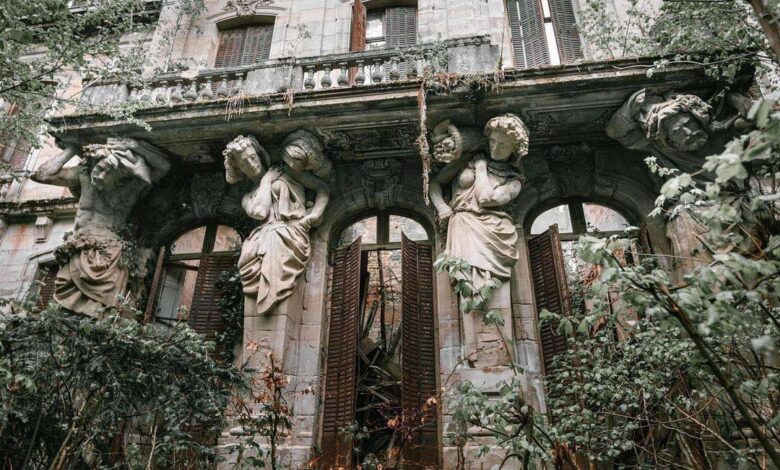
(80, 392)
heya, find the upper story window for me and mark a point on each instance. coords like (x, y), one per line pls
(392, 27)
(544, 32)
(13, 152)
(244, 45)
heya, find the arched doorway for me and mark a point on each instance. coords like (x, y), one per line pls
(380, 391)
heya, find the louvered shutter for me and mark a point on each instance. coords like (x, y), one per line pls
(15, 152)
(418, 356)
(565, 24)
(46, 277)
(400, 27)
(341, 363)
(155, 286)
(257, 44)
(526, 26)
(205, 315)
(551, 290)
(230, 46)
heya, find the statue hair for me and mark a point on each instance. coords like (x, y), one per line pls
(676, 104)
(312, 150)
(515, 128)
(237, 149)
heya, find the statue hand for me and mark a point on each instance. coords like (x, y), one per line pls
(274, 172)
(444, 213)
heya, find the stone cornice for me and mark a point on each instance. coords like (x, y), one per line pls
(30, 209)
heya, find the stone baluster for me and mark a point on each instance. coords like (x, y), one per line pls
(360, 78)
(206, 91)
(326, 81)
(133, 94)
(161, 95)
(146, 93)
(377, 75)
(239, 85)
(222, 90)
(177, 93)
(192, 91)
(308, 83)
(411, 69)
(343, 79)
(395, 74)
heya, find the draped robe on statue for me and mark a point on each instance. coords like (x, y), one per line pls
(483, 237)
(275, 254)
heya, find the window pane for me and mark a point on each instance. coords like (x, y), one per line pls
(557, 215)
(603, 219)
(412, 229)
(190, 242)
(375, 25)
(365, 228)
(227, 239)
(552, 44)
(177, 289)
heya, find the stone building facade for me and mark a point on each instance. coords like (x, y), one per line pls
(319, 145)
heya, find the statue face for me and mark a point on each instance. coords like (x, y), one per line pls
(295, 157)
(685, 133)
(104, 176)
(502, 146)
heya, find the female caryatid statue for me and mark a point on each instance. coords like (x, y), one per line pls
(479, 231)
(275, 253)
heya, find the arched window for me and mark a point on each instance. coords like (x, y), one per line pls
(244, 44)
(381, 360)
(192, 265)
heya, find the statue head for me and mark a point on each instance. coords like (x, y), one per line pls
(112, 162)
(507, 138)
(682, 122)
(245, 157)
(302, 151)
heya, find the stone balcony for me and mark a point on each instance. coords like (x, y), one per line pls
(355, 69)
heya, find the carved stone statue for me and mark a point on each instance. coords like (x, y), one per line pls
(108, 180)
(479, 230)
(276, 253)
(681, 129)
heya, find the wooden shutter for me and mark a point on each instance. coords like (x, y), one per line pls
(526, 26)
(565, 24)
(418, 356)
(46, 276)
(14, 152)
(400, 27)
(551, 290)
(205, 315)
(154, 288)
(257, 44)
(341, 363)
(357, 36)
(243, 46)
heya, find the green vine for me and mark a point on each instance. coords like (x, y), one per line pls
(231, 306)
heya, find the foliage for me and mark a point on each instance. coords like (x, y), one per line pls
(262, 412)
(231, 306)
(80, 392)
(724, 36)
(42, 41)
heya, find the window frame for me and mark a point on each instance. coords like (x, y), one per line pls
(226, 27)
(383, 242)
(579, 225)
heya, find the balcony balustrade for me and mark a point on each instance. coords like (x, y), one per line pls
(309, 74)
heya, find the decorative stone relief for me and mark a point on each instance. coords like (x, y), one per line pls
(206, 193)
(680, 128)
(108, 180)
(275, 254)
(377, 139)
(247, 7)
(574, 168)
(380, 180)
(479, 229)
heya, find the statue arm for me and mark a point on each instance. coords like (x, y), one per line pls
(258, 206)
(489, 196)
(445, 176)
(157, 160)
(322, 190)
(52, 172)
